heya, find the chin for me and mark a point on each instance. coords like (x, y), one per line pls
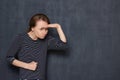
(42, 37)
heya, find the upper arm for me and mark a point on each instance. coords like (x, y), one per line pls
(13, 49)
(56, 44)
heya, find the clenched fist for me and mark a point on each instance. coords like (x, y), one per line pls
(32, 65)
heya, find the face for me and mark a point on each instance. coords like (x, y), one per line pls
(40, 30)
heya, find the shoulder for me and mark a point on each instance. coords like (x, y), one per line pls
(49, 37)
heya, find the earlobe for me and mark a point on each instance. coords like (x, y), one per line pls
(32, 29)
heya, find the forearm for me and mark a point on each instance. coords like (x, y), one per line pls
(19, 63)
(30, 66)
(61, 33)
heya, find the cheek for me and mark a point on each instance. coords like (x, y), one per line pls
(40, 32)
(37, 32)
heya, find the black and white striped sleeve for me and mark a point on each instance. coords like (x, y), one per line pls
(13, 49)
(56, 44)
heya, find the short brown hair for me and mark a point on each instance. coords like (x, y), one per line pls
(35, 18)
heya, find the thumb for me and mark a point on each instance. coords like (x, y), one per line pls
(35, 62)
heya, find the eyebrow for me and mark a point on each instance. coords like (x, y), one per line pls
(44, 27)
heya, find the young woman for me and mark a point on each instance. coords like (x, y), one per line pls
(28, 51)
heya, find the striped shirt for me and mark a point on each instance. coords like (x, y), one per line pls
(25, 49)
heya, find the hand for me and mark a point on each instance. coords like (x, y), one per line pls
(55, 25)
(32, 65)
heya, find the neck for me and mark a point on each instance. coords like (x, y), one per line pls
(32, 35)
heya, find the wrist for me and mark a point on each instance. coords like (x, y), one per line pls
(26, 65)
(58, 26)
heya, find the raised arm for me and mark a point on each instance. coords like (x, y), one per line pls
(57, 44)
(59, 30)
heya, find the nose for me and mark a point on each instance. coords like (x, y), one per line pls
(46, 33)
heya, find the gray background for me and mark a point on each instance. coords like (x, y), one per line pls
(92, 28)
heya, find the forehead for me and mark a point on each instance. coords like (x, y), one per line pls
(41, 23)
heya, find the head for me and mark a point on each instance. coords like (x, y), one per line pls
(38, 25)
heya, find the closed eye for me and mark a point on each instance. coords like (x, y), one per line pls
(43, 28)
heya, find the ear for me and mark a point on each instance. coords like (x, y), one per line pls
(32, 29)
